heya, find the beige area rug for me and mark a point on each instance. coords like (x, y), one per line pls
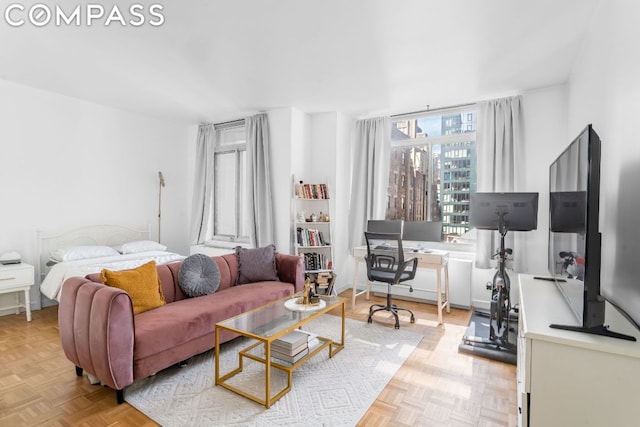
(326, 391)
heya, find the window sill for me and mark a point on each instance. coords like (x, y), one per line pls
(225, 244)
(467, 248)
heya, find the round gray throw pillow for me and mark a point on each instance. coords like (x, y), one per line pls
(199, 275)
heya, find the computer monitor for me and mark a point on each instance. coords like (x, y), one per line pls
(385, 226)
(517, 211)
(422, 231)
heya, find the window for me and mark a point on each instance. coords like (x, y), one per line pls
(437, 152)
(230, 217)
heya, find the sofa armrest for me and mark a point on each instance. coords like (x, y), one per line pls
(291, 270)
(97, 330)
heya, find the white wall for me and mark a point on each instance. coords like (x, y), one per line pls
(328, 160)
(605, 90)
(289, 136)
(67, 163)
(544, 113)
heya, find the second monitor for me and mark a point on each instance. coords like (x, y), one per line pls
(384, 226)
(422, 231)
(418, 231)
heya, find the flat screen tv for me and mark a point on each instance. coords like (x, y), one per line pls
(518, 211)
(574, 238)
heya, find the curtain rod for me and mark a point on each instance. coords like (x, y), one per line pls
(431, 110)
(230, 122)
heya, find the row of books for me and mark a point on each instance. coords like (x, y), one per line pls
(310, 237)
(312, 191)
(316, 261)
(293, 346)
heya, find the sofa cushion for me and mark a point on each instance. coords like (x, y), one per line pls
(256, 265)
(199, 275)
(228, 265)
(140, 283)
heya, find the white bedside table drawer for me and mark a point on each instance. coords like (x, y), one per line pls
(16, 276)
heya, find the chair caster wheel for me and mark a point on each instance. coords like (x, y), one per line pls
(397, 326)
(413, 319)
(369, 320)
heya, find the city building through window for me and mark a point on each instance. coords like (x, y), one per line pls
(434, 154)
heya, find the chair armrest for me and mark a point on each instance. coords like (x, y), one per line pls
(402, 268)
(97, 330)
(291, 270)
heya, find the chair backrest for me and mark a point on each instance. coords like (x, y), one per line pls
(384, 253)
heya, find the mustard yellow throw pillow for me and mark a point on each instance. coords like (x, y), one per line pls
(141, 283)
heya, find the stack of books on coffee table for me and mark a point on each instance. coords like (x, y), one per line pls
(293, 346)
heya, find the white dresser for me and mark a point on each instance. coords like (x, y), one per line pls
(569, 378)
(17, 278)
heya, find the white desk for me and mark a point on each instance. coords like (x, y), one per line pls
(433, 259)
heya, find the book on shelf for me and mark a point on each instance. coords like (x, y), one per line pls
(310, 237)
(312, 339)
(294, 346)
(278, 357)
(311, 191)
(316, 261)
(290, 342)
(323, 280)
(289, 351)
(285, 359)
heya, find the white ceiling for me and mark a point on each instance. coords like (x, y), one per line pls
(218, 60)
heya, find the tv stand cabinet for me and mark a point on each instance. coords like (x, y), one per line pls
(567, 378)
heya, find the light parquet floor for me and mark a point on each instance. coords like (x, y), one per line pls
(436, 386)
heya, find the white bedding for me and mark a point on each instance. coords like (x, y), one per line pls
(51, 286)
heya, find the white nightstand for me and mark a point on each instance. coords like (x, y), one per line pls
(16, 278)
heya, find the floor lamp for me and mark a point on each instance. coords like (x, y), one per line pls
(161, 178)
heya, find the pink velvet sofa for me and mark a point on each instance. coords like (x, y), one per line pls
(101, 335)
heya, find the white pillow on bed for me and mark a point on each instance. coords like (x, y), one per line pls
(140, 246)
(82, 252)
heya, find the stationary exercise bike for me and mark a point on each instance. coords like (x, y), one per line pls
(500, 306)
(500, 291)
(489, 331)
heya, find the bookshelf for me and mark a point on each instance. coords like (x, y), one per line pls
(312, 232)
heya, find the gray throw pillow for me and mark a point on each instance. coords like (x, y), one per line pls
(199, 275)
(256, 265)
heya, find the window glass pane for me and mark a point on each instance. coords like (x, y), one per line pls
(224, 223)
(229, 135)
(244, 197)
(459, 160)
(435, 156)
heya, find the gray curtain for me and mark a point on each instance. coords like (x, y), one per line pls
(500, 141)
(261, 229)
(370, 175)
(203, 185)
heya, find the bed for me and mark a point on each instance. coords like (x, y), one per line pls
(90, 249)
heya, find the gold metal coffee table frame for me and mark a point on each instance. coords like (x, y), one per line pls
(264, 325)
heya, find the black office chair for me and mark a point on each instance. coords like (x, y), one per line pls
(386, 263)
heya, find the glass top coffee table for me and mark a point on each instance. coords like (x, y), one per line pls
(263, 326)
